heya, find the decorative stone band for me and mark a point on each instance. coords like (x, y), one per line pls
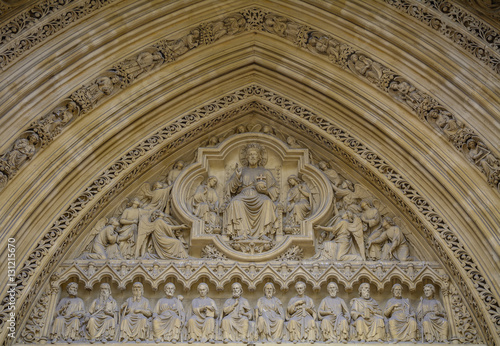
(42, 132)
(123, 171)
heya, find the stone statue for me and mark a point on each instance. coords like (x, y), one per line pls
(104, 245)
(396, 246)
(401, 318)
(168, 317)
(135, 314)
(270, 316)
(236, 315)
(175, 171)
(346, 229)
(371, 217)
(301, 316)
(103, 316)
(22, 151)
(298, 202)
(483, 158)
(251, 212)
(69, 315)
(332, 175)
(432, 317)
(201, 324)
(368, 320)
(127, 233)
(334, 316)
(206, 205)
(160, 232)
(158, 196)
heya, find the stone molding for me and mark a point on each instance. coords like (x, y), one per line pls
(42, 131)
(173, 135)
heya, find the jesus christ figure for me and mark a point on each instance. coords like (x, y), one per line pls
(251, 212)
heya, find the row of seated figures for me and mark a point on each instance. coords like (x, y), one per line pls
(269, 321)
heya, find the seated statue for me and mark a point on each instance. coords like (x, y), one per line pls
(251, 212)
(201, 324)
(334, 316)
(136, 312)
(432, 315)
(103, 316)
(368, 321)
(301, 316)
(270, 316)
(69, 314)
(402, 322)
(298, 202)
(168, 317)
(236, 315)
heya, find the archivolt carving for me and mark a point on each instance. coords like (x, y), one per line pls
(178, 134)
(427, 108)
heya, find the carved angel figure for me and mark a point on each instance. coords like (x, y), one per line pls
(201, 324)
(401, 318)
(168, 317)
(251, 212)
(103, 316)
(69, 316)
(175, 171)
(136, 312)
(332, 175)
(298, 202)
(396, 246)
(157, 196)
(104, 244)
(236, 315)
(368, 320)
(301, 316)
(432, 316)
(206, 204)
(270, 316)
(334, 316)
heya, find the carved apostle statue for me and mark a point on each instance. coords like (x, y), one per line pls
(103, 316)
(301, 316)
(69, 314)
(401, 318)
(432, 316)
(168, 317)
(334, 316)
(135, 312)
(236, 315)
(201, 324)
(368, 321)
(251, 212)
(270, 316)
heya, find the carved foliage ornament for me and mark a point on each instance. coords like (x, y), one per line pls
(427, 109)
(27, 271)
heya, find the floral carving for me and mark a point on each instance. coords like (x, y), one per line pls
(294, 253)
(467, 329)
(210, 252)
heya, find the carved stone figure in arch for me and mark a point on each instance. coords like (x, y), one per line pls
(201, 324)
(332, 175)
(432, 316)
(251, 212)
(334, 316)
(168, 317)
(371, 217)
(236, 316)
(301, 316)
(346, 239)
(103, 316)
(269, 316)
(69, 317)
(128, 232)
(206, 205)
(156, 197)
(402, 322)
(135, 314)
(368, 320)
(298, 202)
(175, 171)
(104, 244)
(395, 244)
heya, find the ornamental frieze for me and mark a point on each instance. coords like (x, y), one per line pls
(427, 109)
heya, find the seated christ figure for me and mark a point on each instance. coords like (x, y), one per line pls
(251, 212)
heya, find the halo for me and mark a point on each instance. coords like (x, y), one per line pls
(262, 151)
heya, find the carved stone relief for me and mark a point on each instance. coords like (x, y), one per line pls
(347, 270)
